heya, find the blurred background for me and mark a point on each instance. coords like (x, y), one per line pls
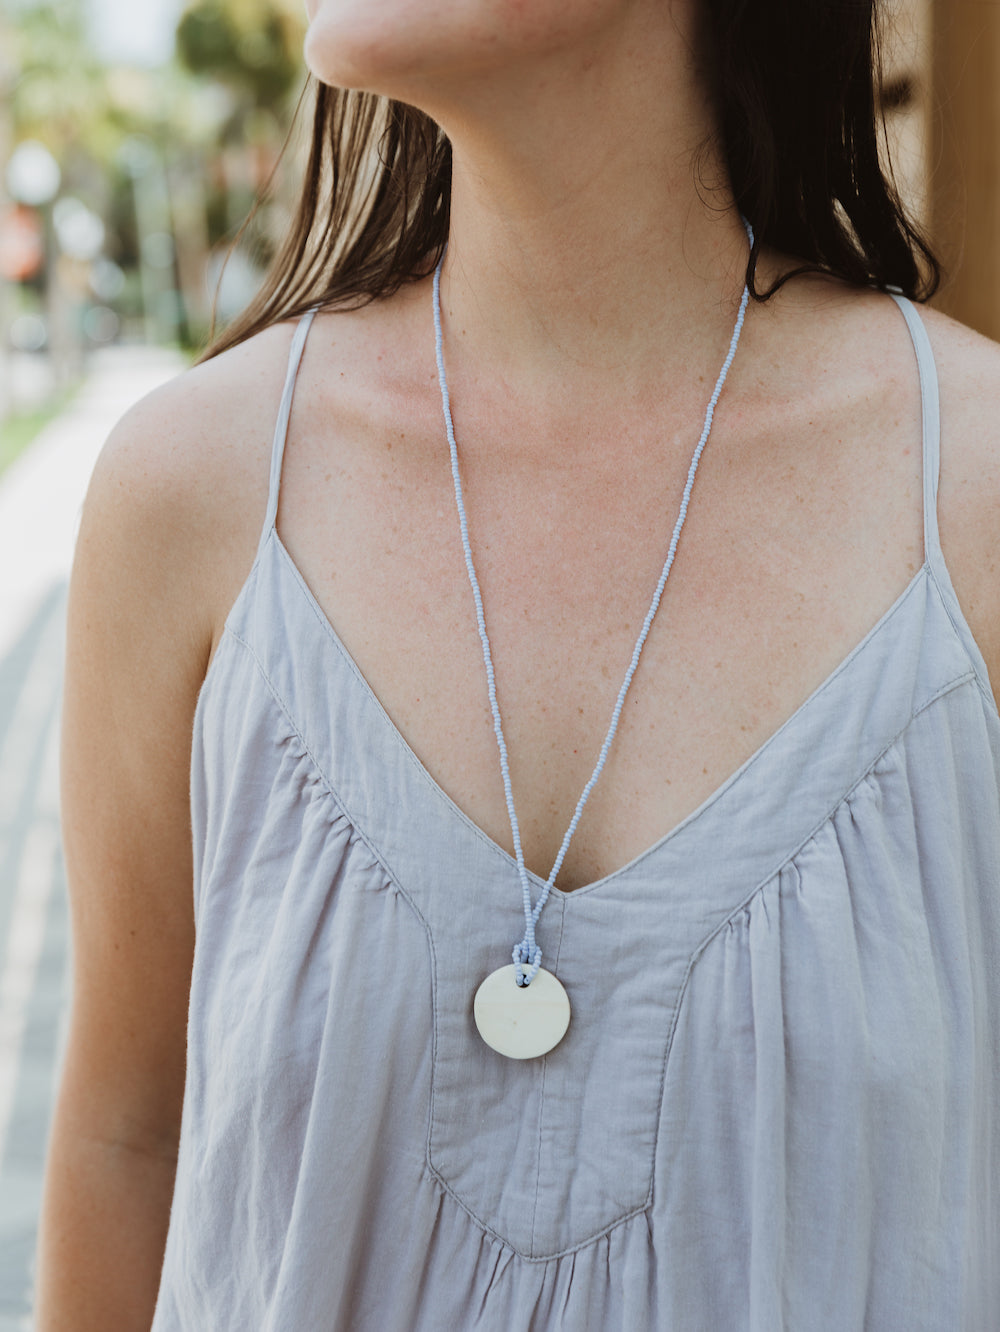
(134, 137)
(132, 150)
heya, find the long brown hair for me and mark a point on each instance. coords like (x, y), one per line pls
(797, 92)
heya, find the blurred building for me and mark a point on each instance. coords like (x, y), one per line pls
(964, 146)
(908, 98)
(943, 113)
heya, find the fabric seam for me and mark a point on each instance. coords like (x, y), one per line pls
(541, 1095)
(960, 627)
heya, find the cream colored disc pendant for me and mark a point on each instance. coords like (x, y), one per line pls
(521, 1021)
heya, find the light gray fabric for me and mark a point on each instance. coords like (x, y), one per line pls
(777, 1108)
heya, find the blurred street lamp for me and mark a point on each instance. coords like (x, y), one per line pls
(80, 235)
(33, 176)
(33, 179)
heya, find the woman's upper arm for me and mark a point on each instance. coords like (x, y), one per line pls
(167, 536)
(140, 627)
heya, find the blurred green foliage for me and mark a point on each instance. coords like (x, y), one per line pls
(57, 91)
(171, 158)
(254, 46)
(237, 64)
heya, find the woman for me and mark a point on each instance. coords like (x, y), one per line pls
(757, 1084)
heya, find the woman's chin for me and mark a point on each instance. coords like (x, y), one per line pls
(342, 58)
(363, 57)
(429, 54)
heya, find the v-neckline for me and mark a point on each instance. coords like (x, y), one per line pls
(616, 875)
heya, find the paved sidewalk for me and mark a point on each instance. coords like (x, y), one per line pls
(40, 500)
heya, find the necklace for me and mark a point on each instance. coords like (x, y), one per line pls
(522, 1011)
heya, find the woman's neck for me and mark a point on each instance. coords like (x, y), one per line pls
(593, 236)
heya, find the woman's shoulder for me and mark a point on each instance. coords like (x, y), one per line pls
(192, 458)
(968, 369)
(869, 367)
(195, 440)
(181, 482)
(204, 438)
(848, 359)
(968, 366)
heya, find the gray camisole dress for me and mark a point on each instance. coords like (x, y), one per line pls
(777, 1107)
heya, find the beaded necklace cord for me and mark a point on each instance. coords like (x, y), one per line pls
(527, 953)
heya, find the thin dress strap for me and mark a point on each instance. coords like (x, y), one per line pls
(930, 398)
(281, 425)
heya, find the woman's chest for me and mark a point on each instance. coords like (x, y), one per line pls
(778, 574)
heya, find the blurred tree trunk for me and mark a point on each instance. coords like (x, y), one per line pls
(966, 159)
(186, 181)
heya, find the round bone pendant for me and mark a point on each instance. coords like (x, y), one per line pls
(521, 1021)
